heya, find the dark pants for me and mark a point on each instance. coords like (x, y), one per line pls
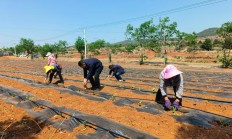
(117, 75)
(95, 82)
(160, 99)
(57, 73)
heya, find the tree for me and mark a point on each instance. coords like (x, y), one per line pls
(207, 45)
(60, 47)
(80, 46)
(95, 46)
(165, 30)
(152, 36)
(27, 45)
(141, 35)
(43, 50)
(180, 37)
(226, 32)
(191, 40)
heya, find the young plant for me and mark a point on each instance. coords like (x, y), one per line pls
(29, 97)
(174, 111)
(113, 97)
(154, 90)
(140, 103)
(132, 86)
(84, 123)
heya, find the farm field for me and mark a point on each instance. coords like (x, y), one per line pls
(120, 110)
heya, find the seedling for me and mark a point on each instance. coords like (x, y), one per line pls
(140, 103)
(113, 97)
(174, 111)
(29, 97)
(132, 87)
(84, 123)
(153, 90)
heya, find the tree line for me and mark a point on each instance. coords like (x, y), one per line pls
(146, 36)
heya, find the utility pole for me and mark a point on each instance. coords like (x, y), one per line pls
(85, 45)
(15, 49)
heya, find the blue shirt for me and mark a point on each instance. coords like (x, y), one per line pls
(117, 68)
(92, 64)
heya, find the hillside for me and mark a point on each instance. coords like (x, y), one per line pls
(207, 32)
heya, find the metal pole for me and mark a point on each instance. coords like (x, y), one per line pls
(85, 45)
(15, 49)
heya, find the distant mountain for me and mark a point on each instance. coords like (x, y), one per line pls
(207, 32)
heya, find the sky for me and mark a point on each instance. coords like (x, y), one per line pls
(48, 21)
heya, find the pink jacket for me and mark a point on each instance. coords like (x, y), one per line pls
(51, 60)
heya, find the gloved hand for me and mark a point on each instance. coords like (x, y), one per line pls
(176, 104)
(167, 103)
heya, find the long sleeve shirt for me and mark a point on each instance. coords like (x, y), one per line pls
(116, 68)
(51, 60)
(177, 82)
(92, 64)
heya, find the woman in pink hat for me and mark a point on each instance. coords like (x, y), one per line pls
(51, 59)
(170, 76)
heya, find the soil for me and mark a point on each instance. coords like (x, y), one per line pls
(16, 122)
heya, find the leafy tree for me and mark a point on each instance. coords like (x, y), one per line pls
(207, 45)
(217, 43)
(152, 36)
(61, 47)
(45, 48)
(80, 46)
(27, 45)
(180, 36)
(191, 40)
(165, 30)
(95, 46)
(141, 34)
(226, 32)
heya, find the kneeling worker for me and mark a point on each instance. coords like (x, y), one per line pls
(117, 71)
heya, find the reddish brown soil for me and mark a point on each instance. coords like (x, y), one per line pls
(162, 126)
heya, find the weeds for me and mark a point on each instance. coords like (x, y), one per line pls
(223, 122)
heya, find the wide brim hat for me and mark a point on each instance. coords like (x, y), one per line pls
(48, 54)
(170, 71)
(48, 68)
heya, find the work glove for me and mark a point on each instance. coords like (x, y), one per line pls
(167, 103)
(176, 105)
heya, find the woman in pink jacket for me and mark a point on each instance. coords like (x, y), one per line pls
(51, 59)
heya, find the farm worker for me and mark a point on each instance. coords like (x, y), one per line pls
(117, 71)
(91, 67)
(51, 59)
(51, 70)
(170, 76)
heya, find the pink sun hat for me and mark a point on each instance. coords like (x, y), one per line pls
(170, 71)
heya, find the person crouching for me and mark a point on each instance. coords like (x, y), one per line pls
(170, 76)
